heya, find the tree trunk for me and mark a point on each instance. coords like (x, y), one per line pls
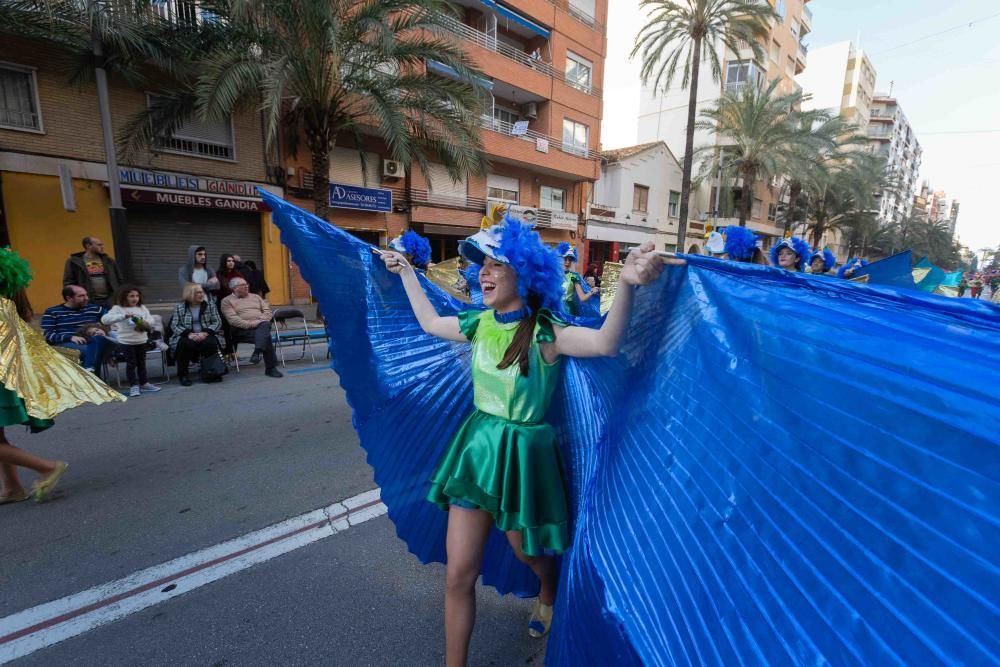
(794, 190)
(746, 203)
(689, 146)
(321, 180)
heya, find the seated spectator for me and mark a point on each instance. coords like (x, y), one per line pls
(132, 323)
(250, 319)
(75, 324)
(195, 327)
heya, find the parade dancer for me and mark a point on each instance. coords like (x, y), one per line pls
(414, 247)
(791, 254)
(36, 383)
(853, 264)
(822, 262)
(576, 292)
(503, 466)
(741, 246)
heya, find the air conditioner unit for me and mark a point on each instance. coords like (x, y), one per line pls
(393, 169)
(530, 110)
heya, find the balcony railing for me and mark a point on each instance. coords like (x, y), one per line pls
(503, 127)
(807, 14)
(493, 44)
(578, 14)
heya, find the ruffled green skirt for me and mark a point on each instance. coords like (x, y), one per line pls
(13, 413)
(513, 471)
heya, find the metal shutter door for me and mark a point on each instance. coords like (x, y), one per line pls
(160, 236)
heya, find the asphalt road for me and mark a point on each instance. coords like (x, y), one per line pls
(171, 473)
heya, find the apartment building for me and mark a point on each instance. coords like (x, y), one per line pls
(198, 186)
(543, 65)
(936, 206)
(663, 116)
(637, 199)
(840, 79)
(894, 139)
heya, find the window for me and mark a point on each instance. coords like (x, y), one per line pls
(640, 198)
(790, 67)
(503, 188)
(741, 72)
(19, 99)
(576, 137)
(772, 212)
(210, 139)
(674, 206)
(553, 198)
(757, 206)
(795, 29)
(578, 71)
(775, 52)
(582, 10)
(441, 189)
(779, 9)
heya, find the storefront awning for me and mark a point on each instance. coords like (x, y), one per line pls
(452, 73)
(511, 15)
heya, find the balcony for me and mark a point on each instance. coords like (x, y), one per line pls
(542, 142)
(807, 16)
(492, 44)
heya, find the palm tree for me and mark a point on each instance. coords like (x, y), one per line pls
(761, 135)
(681, 34)
(834, 141)
(322, 69)
(94, 39)
(843, 195)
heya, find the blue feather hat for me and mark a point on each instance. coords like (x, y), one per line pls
(516, 243)
(829, 260)
(740, 243)
(414, 245)
(797, 245)
(565, 250)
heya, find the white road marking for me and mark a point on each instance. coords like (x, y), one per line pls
(39, 627)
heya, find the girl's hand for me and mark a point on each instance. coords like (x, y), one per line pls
(642, 266)
(395, 262)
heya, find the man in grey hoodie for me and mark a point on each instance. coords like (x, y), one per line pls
(198, 271)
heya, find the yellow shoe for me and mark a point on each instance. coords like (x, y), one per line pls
(540, 621)
(43, 488)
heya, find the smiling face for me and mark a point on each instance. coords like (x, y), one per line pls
(499, 283)
(787, 259)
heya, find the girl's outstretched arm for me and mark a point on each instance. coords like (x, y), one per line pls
(585, 296)
(642, 267)
(427, 315)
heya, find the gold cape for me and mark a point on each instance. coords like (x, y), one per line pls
(47, 381)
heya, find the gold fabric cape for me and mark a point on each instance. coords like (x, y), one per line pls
(47, 382)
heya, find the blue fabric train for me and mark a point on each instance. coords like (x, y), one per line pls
(845, 514)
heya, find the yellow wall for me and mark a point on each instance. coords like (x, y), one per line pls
(45, 233)
(275, 262)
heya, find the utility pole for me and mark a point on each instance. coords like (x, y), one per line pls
(119, 229)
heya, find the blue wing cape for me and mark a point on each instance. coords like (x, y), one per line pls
(777, 469)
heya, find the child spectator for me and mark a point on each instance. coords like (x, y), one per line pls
(131, 327)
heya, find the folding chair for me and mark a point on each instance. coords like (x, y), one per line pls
(293, 336)
(157, 323)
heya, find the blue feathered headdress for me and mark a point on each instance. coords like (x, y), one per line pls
(852, 263)
(565, 250)
(829, 260)
(414, 245)
(799, 246)
(539, 269)
(740, 243)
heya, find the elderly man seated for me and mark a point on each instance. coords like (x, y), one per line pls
(249, 316)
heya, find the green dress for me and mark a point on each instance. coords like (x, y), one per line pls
(13, 413)
(571, 304)
(504, 458)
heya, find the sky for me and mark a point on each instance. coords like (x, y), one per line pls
(948, 85)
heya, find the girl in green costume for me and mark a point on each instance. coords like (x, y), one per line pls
(574, 292)
(503, 466)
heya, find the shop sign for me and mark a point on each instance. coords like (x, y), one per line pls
(360, 199)
(544, 217)
(169, 181)
(192, 199)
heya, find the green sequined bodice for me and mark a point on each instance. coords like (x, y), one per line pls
(505, 392)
